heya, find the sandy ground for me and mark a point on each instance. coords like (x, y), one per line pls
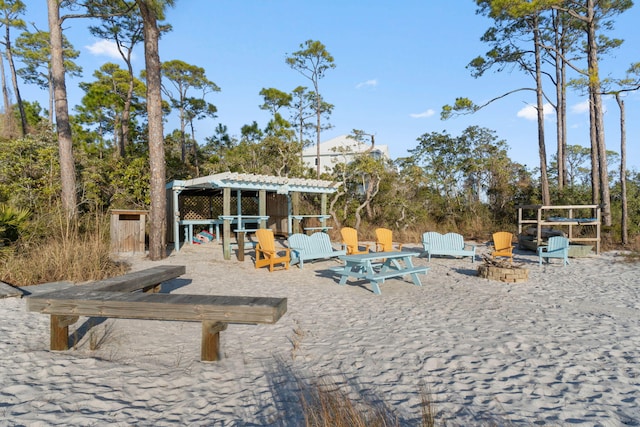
(560, 349)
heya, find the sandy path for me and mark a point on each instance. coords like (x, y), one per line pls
(560, 349)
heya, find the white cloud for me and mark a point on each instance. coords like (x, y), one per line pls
(531, 113)
(368, 83)
(427, 113)
(581, 107)
(105, 48)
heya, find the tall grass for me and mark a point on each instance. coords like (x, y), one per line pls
(58, 249)
(326, 404)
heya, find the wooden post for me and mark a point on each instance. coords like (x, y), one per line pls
(210, 351)
(240, 237)
(240, 226)
(295, 210)
(262, 207)
(539, 226)
(60, 331)
(323, 210)
(226, 225)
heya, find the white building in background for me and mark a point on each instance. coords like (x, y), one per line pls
(340, 149)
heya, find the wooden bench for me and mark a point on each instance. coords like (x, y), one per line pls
(316, 246)
(451, 244)
(119, 297)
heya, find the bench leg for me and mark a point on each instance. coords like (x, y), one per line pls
(153, 289)
(416, 279)
(376, 287)
(210, 351)
(60, 331)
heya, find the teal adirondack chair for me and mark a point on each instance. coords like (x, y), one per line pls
(557, 247)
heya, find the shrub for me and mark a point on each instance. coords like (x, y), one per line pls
(57, 249)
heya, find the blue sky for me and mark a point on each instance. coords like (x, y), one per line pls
(397, 64)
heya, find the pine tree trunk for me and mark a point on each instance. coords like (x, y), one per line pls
(544, 177)
(157, 217)
(595, 173)
(14, 81)
(598, 112)
(7, 125)
(63, 126)
(624, 221)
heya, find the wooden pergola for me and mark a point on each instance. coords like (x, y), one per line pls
(278, 190)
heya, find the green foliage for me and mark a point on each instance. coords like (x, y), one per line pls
(463, 173)
(129, 184)
(275, 99)
(34, 51)
(312, 60)
(183, 77)
(272, 154)
(33, 112)
(302, 111)
(30, 176)
(30, 172)
(103, 105)
(120, 22)
(13, 221)
(461, 106)
(633, 205)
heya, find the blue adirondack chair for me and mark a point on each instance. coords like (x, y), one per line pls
(557, 247)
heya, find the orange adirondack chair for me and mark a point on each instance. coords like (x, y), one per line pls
(503, 245)
(350, 241)
(266, 253)
(384, 241)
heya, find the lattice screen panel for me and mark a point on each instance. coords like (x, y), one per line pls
(194, 207)
(210, 207)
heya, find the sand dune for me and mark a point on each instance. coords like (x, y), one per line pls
(561, 349)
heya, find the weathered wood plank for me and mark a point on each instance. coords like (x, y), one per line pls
(137, 280)
(144, 280)
(184, 307)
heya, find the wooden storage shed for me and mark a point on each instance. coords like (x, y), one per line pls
(128, 230)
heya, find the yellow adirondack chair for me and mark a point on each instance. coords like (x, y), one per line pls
(503, 245)
(350, 241)
(384, 241)
(266, 253)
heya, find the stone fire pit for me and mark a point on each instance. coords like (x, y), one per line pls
(502, 271)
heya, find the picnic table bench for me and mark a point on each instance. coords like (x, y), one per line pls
(120, 297)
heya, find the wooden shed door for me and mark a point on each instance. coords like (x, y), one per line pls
(278, 213)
